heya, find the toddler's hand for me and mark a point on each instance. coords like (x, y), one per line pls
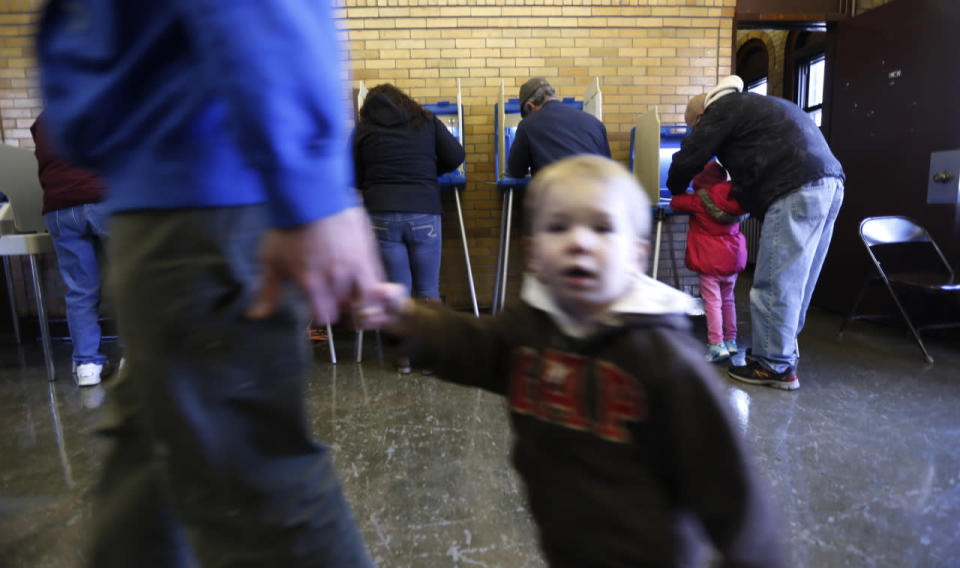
(381, 307)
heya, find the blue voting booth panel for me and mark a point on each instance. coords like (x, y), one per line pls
(512, 106)
(458, 177)
(670, 139)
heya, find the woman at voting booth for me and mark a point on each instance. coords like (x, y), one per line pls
(399, 150)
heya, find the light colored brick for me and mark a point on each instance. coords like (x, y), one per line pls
(426, 34)
(661, 52)
(380, 44)
(411, 44)
(471, 42)
(394, 54)
(394, 12)
(561, 22)
(395, 34)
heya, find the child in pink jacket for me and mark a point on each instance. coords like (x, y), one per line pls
(717, 251)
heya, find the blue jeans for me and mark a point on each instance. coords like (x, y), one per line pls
(410, 246)
(794, 240)
(77, 232)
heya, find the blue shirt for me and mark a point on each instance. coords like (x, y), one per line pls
(201, 103)
(553, 132)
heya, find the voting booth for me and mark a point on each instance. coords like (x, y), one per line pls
(506, 120)
(451, 115)
(652, 147)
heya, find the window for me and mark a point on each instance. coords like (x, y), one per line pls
(753, 65)
(804, 72)
(810, 82)
(758, 87)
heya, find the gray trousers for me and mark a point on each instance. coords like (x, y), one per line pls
(211, 459)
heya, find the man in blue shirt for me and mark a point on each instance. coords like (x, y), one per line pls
(219, 129)
(551, 130)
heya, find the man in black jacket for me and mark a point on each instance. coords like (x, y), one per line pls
(784, 173)
(551, 130)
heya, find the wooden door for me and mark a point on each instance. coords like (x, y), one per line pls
(894, 99)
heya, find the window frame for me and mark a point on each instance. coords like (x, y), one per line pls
(765, 81)
(803, 83)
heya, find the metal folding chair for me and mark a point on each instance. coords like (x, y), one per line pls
(907, 260)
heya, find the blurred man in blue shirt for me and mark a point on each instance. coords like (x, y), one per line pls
(218, 128)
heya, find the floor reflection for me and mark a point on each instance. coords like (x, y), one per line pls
(861, 461)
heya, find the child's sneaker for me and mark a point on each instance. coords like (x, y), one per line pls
(87, 374)
(403, 365)
(731, 345)
(717, 353)
(755, 373)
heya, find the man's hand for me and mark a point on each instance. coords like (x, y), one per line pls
(333, 259)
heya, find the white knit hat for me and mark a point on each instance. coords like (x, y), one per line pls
(726, 86)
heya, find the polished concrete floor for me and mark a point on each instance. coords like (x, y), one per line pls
(863, 460)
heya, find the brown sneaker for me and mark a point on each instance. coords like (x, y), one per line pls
(756, 374)
(317, 334)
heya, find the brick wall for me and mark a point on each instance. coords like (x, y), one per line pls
(19, 95)
(646, 53)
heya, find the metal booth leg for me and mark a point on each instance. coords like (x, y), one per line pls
(358, 346)
(496, 277)
(658, 216)
(10, 296)
(42, 317)
(506, 251)
(466, 253)
(333, 350)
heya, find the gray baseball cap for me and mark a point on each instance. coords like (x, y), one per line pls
(530, 88)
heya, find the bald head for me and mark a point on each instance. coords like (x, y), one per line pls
(694, 110)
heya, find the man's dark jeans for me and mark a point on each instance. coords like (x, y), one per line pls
(211, 460)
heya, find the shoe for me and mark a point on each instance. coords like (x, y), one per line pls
(756, 374)
(403, 365)
(717, 353)
(731, 345)
(87, 374)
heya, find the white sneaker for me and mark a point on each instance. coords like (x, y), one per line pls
(87, 374)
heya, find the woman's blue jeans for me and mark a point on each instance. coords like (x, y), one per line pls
(411, 247)
(77, 233)
(794, 240)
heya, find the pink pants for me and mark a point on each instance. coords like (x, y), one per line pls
(718, 302)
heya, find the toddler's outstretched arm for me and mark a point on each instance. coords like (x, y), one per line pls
(459, 347)
(383, 307)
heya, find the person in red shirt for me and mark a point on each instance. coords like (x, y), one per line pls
(717, 251)
(76, 220)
